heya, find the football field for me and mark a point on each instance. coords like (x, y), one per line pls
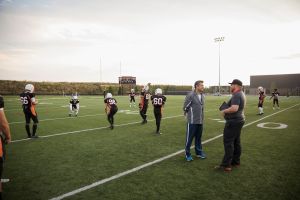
(81, 158)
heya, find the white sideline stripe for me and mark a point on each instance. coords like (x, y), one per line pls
(90, 129)
(95, 184)
(52, 119)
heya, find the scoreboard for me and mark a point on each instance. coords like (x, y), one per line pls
(127, 80)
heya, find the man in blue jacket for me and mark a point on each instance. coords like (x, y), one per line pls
(194, 112)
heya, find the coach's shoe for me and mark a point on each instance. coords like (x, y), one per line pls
(5, 180)
(225, 169)
(202, 155)
(189, 158)
(236, 165)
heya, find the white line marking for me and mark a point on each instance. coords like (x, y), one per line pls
(95, 184)
(52, 119)
(90, 129)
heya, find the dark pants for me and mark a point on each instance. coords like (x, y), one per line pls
(143, 111)
(193, 131)
(132, 99)
(110, 116)
(28, 117)
(275, 101)
(232, 143)
(158, 115)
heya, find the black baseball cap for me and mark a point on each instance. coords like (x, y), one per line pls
(237, 82)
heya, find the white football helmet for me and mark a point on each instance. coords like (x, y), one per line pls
(158, 91)
(74, 97)
(108, 95)
(146, 87)
(29, 87)
(132, 90)
(260, 89)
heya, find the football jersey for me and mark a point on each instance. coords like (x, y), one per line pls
(74, 102)
(27, 100)
(158, 100)
(111, 102)
(145, 96)
(1, 103)
(132, 94)
(261, 96)
(275, 95)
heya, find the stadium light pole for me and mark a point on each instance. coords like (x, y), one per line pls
(100, 70)
(219, 40)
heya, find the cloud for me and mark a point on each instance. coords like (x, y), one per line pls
(291, 56)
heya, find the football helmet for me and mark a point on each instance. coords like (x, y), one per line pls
(29, 87)
(260, 89)
(158, 91)
(146, 88)
(108, 95)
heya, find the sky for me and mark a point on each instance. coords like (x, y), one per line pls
(157, 41)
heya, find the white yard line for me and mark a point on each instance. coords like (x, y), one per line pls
(52, 119)
(101, 182)
(91, 129)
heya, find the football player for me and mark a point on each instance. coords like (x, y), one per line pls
(110, 108)
(5, 138)
(261, 99)
(74, 106)
(275, 96)
(29, 102)
(144, 101)
(132, 97)
(158, 101)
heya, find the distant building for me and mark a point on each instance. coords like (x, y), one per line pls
(287, 84)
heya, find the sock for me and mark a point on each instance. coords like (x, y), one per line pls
(28, 130)
(34, 127)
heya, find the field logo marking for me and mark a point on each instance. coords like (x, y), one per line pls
(100, 182)
(279, 125)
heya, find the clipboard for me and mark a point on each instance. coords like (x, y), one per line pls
(223, 106)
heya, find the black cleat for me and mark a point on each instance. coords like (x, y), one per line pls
(34, 137)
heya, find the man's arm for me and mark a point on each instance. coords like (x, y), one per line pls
(231, 109)
(4, 127)
(187, 104)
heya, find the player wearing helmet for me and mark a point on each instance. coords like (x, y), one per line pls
(261, 99)
(275, 96)
(110, 108)
(29, 102)
(74, 106)
(144, 101)
(132, 97)
(158, 101)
